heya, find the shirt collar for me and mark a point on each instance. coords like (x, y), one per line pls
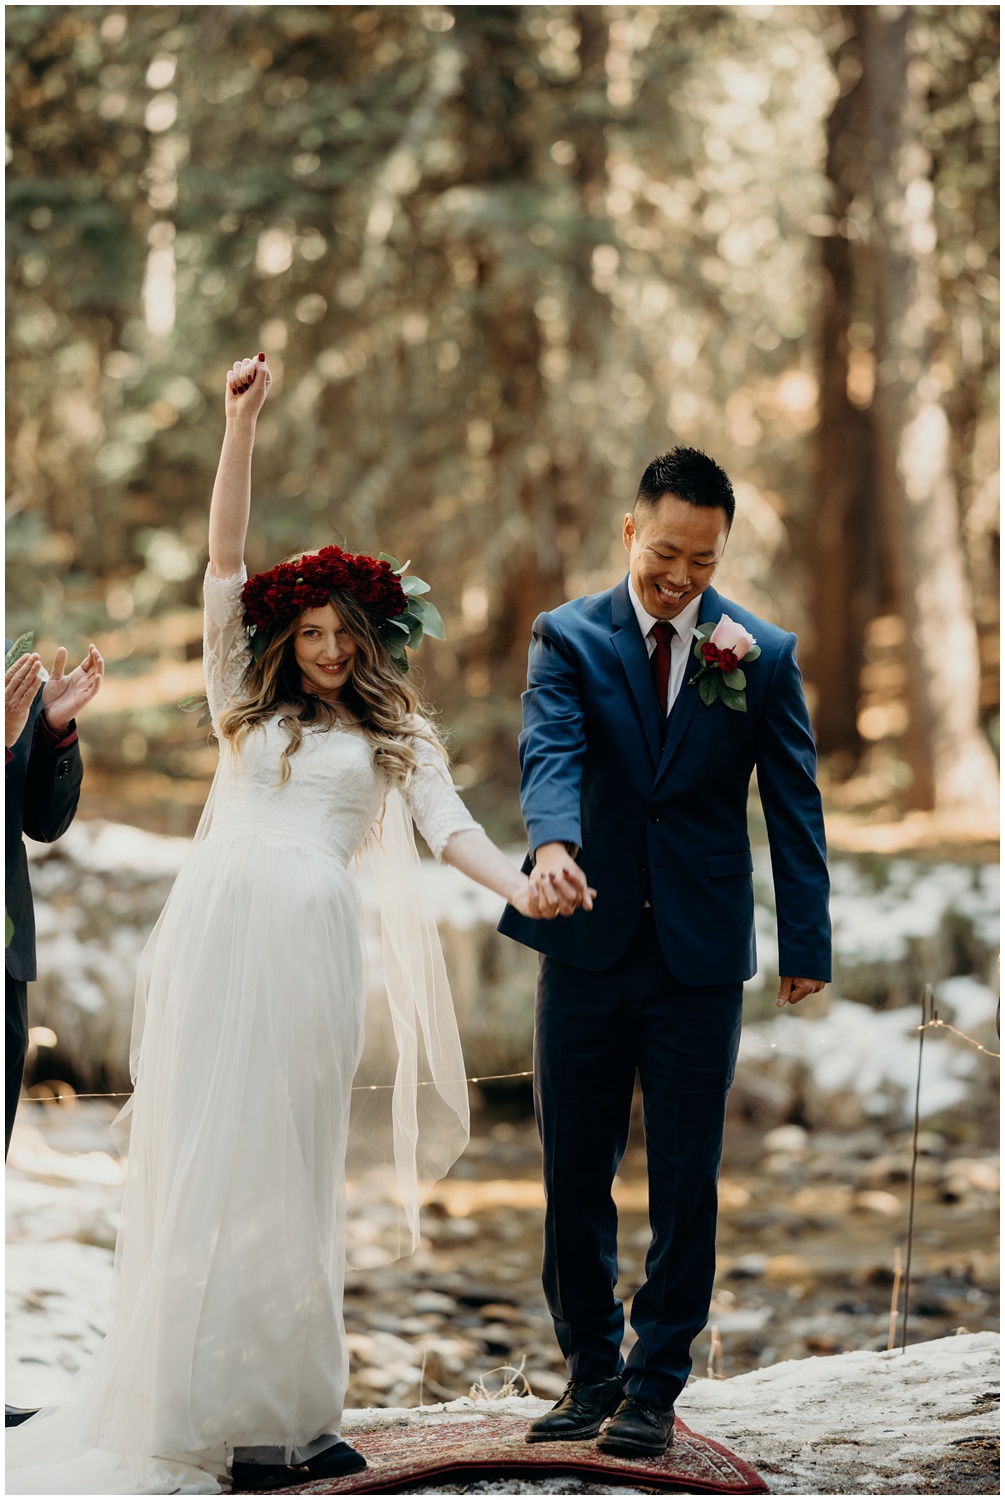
(683, 623)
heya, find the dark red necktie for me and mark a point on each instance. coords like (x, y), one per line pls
(663, 633)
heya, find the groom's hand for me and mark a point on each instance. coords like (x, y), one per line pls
(791, 991)
(559, 885)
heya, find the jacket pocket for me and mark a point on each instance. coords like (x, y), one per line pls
(739, 863)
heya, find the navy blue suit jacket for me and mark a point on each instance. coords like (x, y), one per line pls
(42, 788)
(668, 823)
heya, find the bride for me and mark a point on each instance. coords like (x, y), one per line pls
(225, 1360)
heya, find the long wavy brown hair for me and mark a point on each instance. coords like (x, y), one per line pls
(386, 706)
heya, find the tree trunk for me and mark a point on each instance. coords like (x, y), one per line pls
(951, 761)
(846, 566)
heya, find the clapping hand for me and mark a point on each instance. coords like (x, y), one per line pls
(22, 681)
(64, 696)
(248, 385)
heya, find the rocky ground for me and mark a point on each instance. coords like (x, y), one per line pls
(809, 1231)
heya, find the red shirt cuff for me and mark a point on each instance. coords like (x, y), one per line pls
(60, 739)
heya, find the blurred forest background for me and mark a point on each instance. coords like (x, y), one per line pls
(499, 257)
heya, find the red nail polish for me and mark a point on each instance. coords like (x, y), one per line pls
(261, 356)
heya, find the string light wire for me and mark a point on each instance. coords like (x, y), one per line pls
(376, 1088)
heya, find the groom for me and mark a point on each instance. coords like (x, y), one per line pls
(635, 779)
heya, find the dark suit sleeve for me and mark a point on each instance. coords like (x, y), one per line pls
(52, 782)
(793, 812)
(553, 742)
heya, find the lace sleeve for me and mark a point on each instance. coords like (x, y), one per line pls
(225, 651)
(431, 799)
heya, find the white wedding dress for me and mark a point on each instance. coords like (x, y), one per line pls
(227, 1329)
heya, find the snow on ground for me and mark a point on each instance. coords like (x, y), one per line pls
(851, 1424)
(861, 1423)
(867, 1051)
(874, 917)
(877, 921)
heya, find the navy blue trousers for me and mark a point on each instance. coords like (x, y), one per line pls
(593, 1032)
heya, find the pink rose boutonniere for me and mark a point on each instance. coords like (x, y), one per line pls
(720, 649)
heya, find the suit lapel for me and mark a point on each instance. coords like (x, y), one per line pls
(684, 706)
(628, 643)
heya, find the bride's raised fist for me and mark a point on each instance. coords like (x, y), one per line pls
(248, 383)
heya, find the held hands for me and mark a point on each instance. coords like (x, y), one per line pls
(247, 387)
(791, 991)
(558, 886)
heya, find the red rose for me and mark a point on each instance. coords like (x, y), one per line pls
(279, 593)
(710, 653)
(728, 661)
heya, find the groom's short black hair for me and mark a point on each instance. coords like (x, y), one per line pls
(690, 475)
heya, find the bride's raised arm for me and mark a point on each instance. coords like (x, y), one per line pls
(247, 387)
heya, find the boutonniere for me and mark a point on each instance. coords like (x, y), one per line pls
(720, 649)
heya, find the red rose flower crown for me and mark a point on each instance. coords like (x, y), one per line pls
(380, 584)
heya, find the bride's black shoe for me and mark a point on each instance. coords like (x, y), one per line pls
(15, 1415)
(333, 1463)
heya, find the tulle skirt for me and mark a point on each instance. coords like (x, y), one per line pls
(227, 1325)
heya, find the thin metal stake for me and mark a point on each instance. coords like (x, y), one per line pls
(894, 1298)
(927, 1014)
(714, 1370)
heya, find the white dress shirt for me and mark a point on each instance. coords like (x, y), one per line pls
(682, 644)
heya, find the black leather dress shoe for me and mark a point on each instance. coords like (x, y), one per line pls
(640, 1427)
(579, 1413)
(15, 1415)
(333, 1463)
(336, 1461)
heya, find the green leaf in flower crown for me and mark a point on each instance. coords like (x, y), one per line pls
(20, 648)
(708, 687)
(432, 621)
(396, 566)
(413, 585)
(733, 699)
(752, 654)
(400, 622)
(258, 641)
(735, 679)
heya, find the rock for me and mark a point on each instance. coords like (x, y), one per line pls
(789, 1140)
(788, 1269)
(432, 1302)
(501, 1312)
(475, 1295)
(763, 1093)
(748, 1267)
(878, 1203)
(970, 1174)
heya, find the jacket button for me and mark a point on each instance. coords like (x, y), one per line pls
(644, 868)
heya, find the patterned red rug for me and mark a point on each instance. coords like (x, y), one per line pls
(494, 1448)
